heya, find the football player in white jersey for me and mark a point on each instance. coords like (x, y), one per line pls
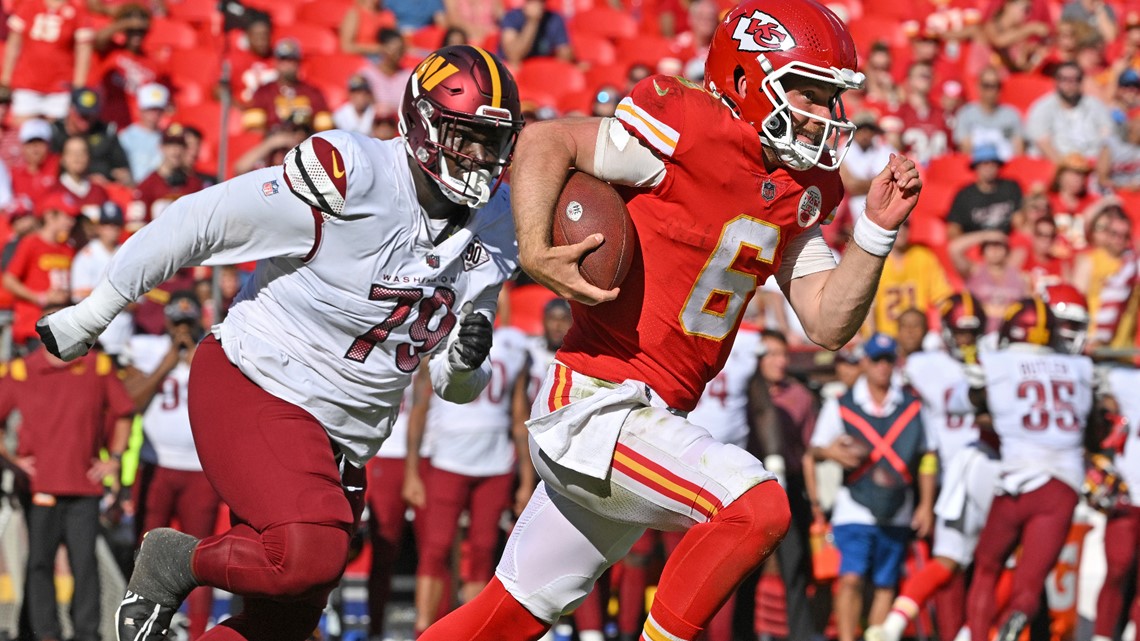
(158, 380)
(1039, 400)
(372, 256)
(475, 451)
(968, 474)
(556, 321)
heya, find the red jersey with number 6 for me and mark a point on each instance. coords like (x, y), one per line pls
(712, 231)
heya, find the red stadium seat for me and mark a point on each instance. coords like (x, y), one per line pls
(892, 9)
(868, 30)
(313, 40)
(952, 169)
(320, 13)
(645, 50)
(593, 49)
(199, 66)
(334, 69)
(166, 32)
(937, 195)
(427, 38)
(1022, 90)
(599, 76)
(207, 118)
(549, 76)
(604, 21)
(1027, 171)
(193, 11)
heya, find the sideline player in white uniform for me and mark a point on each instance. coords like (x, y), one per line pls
(158, 379)
(475, 451)
(1039, 401)
(969, 471)
(370, 254)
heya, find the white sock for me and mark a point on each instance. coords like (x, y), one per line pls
(963, 634)
(1101, 637)
(894, 625)
(591, 635)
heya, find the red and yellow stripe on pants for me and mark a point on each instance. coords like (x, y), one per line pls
(664, 482)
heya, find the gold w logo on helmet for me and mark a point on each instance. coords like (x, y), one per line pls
(434, 70)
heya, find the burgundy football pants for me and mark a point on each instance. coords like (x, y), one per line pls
(485, 498)
(273, 464)
(1039, 521)
(386, 527)
(1121, 541)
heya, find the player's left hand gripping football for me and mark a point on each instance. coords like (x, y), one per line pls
(894, 193)
(556, 268)
(62, 336)
(472, 343)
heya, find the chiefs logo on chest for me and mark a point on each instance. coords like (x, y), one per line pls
(762, 32)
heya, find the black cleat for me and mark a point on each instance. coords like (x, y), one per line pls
(1011, 630)
(140, 619)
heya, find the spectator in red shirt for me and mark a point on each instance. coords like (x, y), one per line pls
(918, 127)
(37, 173)
(53, 37)
(1070, 199)
(39, 273)
(172, 180)
(278, 101)
(74, 176)
(126, 64)
(1041, 264)
(69, 411)
(363, 21)
(252, 67)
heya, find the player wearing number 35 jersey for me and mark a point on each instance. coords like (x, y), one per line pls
(728, 184)
(372, 256)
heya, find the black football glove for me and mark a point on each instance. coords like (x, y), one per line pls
(472, 343)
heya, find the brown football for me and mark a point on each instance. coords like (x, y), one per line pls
(591, 206)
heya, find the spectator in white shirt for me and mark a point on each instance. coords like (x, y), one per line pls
(88, 268)
(358, 113)
(865, 159)
(1068, 121)
(141, 139)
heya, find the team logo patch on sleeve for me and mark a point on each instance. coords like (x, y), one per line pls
(475, 255)
(811, 204)
(316, 172)
(762, 32)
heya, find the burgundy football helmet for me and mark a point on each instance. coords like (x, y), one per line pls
(1028, 320)
(459, 118)
(769, 41)
(962, 313)
(1072, 311)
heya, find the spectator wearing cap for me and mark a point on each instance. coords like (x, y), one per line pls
(875, 514)
(169, 182)
(89, 267)
(386, 75)
(1119, 167)
(534, 31)
(988, 203)
(37, 173)
(986, 121)
(75, 177)
(360, 25)
(912, 278)
(1125, 99)
(996, 280)
(866, 157)
(1071, 200)
(142, 138)
(413, 15)
(1097, 14)
(172, 485)
(1068, 121)
(288, 97)
(252, 66)
(55, 58)
(108, 159)
(127, 65)
(39, 273)
(358, 113)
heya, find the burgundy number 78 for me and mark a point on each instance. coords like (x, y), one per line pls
(407, 354)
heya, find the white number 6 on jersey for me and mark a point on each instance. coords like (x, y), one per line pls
(729, 277)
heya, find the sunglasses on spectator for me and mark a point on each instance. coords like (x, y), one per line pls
(990, 85)
(1069, 78)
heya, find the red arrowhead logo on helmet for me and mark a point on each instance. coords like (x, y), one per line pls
(762, 32)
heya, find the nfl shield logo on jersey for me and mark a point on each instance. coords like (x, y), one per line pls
(433, 260)
(269, 188)
(474, 255)
(768, 190)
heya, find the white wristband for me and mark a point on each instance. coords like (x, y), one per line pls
(872, 238)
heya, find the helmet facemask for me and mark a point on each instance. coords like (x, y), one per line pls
(450, 152)
(1072, 332)
(778, 130)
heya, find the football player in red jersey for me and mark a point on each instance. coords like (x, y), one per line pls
(731, 181)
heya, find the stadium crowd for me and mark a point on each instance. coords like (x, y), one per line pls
(1025, 115)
